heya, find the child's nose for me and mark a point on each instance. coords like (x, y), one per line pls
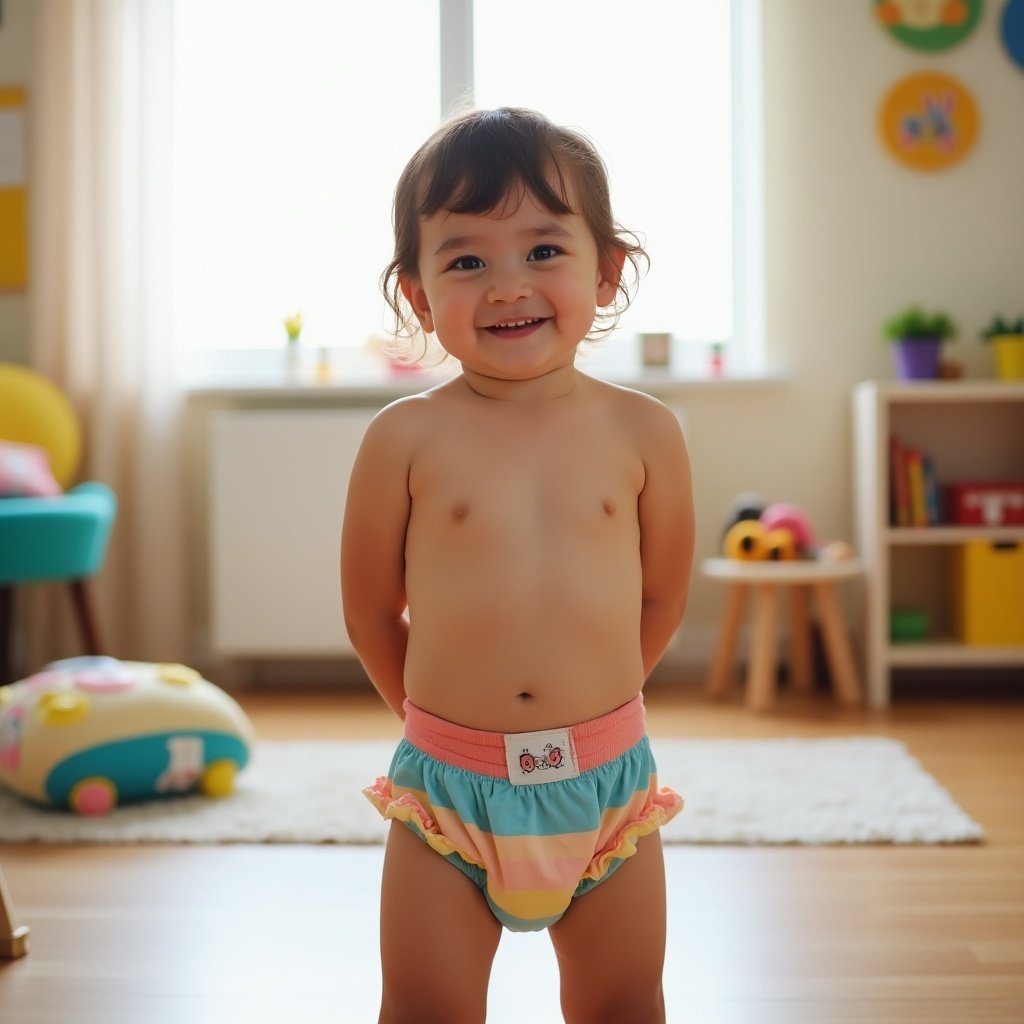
(508, 286)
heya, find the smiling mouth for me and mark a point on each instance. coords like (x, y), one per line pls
(512, 326)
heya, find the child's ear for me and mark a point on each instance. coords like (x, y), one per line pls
(610, 275)
(417, 299)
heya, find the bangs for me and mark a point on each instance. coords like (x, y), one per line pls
(479, 168)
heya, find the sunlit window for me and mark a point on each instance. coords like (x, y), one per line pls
(650, 83)
(293, 122)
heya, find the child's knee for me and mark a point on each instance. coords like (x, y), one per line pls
(634, 1004)
(450, 1004)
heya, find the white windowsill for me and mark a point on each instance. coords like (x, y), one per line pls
(361, 375)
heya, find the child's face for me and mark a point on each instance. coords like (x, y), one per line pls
(510, 294)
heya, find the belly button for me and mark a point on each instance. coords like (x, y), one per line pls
(524, 696)
(609, 508)
(460, 511)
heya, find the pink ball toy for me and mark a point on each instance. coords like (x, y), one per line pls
(786, 516)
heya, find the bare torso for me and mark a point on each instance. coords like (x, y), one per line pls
(522, 568)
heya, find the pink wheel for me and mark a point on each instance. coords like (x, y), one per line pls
(93, 796)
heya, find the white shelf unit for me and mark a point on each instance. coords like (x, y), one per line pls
(974, 431)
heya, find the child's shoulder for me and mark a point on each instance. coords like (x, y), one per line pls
(406, 418)
(635, 409)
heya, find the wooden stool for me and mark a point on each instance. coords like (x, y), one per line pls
(766, 579)
(13, 937)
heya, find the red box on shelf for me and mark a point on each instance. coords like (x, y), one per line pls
(985, 504)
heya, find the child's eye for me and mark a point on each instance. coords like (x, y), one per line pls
(544, 252)
(466, 263)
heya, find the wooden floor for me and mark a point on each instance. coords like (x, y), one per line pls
(758, 935)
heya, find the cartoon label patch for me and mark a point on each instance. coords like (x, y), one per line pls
(537, 757)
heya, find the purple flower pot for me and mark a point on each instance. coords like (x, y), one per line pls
(917, 358)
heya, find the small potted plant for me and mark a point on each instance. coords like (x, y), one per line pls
(293, 327)
(293, 358)
(1007, 339)
(917, 339)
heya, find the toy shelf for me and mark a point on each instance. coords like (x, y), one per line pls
(927, 535)
(950, 653)
(972, 431)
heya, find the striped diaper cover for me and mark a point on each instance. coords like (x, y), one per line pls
(534, 819)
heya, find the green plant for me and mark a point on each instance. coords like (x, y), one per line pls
(293, 326)
(913, 324)
(1000, 326)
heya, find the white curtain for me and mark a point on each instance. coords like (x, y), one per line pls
(100, 158)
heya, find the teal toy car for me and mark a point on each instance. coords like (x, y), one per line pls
(89, 734)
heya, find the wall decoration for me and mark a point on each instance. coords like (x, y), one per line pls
(13, 191)
(929, 25)
(1012, 30)
(928, 121)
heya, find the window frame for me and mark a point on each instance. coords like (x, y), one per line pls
(746, 347)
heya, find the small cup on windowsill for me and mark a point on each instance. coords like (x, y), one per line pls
(655, 349)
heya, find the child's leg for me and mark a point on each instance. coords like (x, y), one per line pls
(611, 945)
(438, 937)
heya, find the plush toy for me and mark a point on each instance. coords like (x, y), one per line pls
(91, 733)
(758, 532)
(745, 541)
(835, 551)
(746, 506)
(786, 516)
(780, 545)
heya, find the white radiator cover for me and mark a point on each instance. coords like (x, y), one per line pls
(278, 480)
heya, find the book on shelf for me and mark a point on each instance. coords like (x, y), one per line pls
(899, 498)
(913, 487)
(915, 475)
(931, 492)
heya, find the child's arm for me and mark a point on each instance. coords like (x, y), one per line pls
(373, 555)
(666, 534)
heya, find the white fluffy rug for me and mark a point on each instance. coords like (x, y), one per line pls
(856, 790)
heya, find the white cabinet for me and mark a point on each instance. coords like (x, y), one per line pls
(278, 480)
(972, 431)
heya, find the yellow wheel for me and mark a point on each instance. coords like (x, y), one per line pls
(219, 778)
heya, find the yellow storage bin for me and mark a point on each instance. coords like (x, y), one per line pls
(990, 593)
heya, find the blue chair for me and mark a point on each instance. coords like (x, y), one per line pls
(61, 538)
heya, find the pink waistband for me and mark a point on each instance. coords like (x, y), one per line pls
(594, 743)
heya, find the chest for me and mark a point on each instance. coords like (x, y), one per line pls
(550, 478)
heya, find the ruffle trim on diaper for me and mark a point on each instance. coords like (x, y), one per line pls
(408, 809)
(664, 806)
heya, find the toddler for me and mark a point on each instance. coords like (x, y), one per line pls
(515, 559)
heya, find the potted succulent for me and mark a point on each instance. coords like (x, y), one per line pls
(917, 339)
(1007, 339)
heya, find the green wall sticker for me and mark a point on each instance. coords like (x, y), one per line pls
(929, 25)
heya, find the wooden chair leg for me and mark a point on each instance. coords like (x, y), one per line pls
(761, 675)
(720, 675)
(837, 645)
(6, 632)
(13, 937)
(800, 675)
(86, 619)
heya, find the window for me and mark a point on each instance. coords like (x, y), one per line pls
(293, 121)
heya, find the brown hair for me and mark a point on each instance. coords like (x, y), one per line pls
(475, 161)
